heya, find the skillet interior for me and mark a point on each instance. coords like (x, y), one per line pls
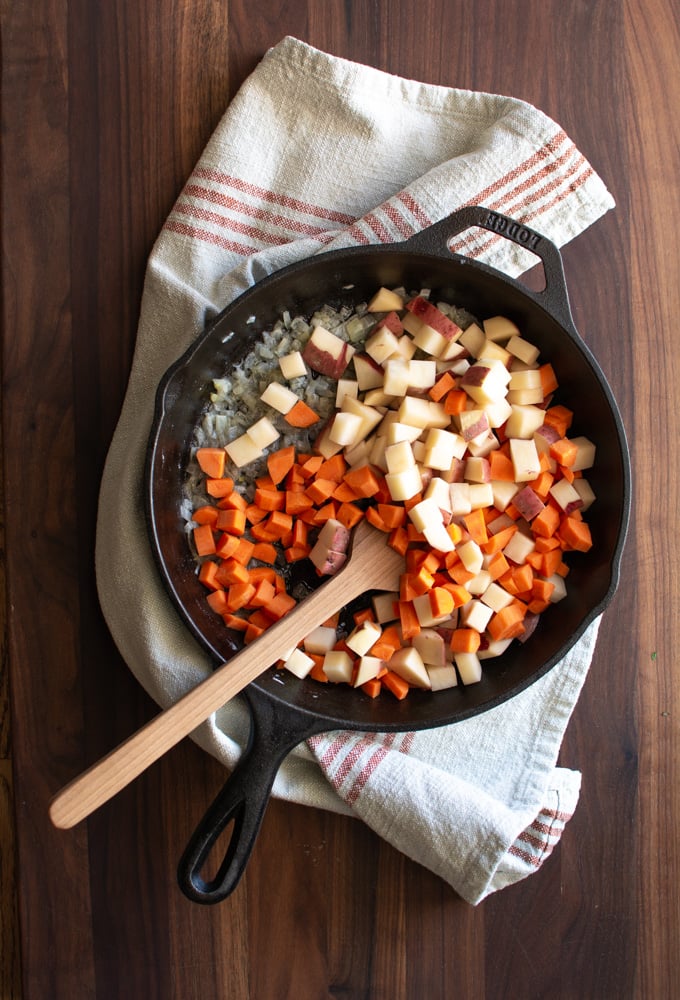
(300, 289)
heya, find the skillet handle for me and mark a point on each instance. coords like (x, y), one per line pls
(243, 800)
(436, 239)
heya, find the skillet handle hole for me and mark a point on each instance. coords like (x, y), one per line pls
(474, 241)
(217, 854)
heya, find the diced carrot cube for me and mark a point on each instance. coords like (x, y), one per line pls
(204, 540)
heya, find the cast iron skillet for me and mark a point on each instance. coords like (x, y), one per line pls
(285, 711)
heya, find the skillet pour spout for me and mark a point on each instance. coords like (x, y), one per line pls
(294, 708)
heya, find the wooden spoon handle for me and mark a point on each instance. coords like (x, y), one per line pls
(371, 566)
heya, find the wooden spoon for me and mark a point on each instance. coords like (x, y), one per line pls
(372, 565)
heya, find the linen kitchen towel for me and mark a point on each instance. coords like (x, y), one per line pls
(315, 153)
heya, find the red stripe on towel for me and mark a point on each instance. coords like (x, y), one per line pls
(376, 225)
(529, 859)
(508, 202)
(205, 215)
(528, 217)
(175, 226)
(414, 208)
(551, 818)
(272, 197)
(397, 219)
(333, 750)
(256, 212)
(407, 743)
(548, 149)
(368, 769)
(351, 759)
(542, 835)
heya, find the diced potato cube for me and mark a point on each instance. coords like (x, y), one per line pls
(408, 664)
(327, 353)
(519, 547)
(479, 584)
(559, 591)
(471, 555)
(298, 663)
(424, 512)
(472, 339)
(430, 340)
(483, 445)
(481, 495)
(422, 374)
(381, 345)
(334, 535)
(486, 381)
(459, 496)
(423, 413)
(503, 491)
(500, 328)
(495, 648)
(279, 397)
(377, 454)
(345, 428)
(585, 458)
(475, 615)
(522, 349)
(359, 454)
(323, 444)
(293, 365)
(497, 412)
(526, 378)
(345, 387)
(473, 424)
(441, 447)
(399, 456)
(525, 460)
(525, 397)
(243, 450)
(338, 666)
(397, 431)
(496, 597)
(370, 416)
(566, 496)
(477, 470)
(585, 491)
(437, 536)
(431, 646)
(320, 640)
(411, 323)
(442, 678)
(363, 637)
(385, 300)
(367, 668)
(385, 606)
(404, 485)
(439, 491)
(368, 372)
(490, 349)
(263, 433)
(524, 421)
(469, 667)
(405, 350)
(395, 377)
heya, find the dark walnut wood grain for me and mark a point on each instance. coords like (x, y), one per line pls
(106, 108)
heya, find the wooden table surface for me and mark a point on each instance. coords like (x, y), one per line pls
(107, 106)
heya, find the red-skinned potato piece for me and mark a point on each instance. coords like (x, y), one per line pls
(528, 503)
(428, 313)
(393, 324)
(326, 353)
